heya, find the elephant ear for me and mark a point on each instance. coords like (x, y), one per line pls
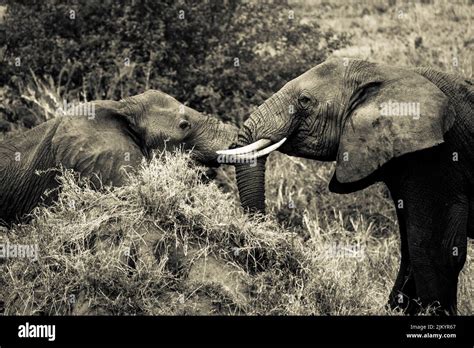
(98, 146)
(387, 120)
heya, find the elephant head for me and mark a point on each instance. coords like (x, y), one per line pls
(121, 132)
(161, 122)
(357, 113)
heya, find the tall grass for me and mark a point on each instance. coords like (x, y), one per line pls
(170, 243)
(438, 34)
(166, 243)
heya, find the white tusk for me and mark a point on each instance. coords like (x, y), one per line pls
(261, 153)
(259, 144)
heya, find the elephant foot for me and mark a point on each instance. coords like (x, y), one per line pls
(413, 304)
(408, 305)
(403, 295)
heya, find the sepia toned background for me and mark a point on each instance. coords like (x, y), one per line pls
(317, 252)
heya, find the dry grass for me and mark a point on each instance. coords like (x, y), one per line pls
(410, 33)
(169, 243)
(144, 248)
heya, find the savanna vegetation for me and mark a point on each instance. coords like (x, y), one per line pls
(169, 242)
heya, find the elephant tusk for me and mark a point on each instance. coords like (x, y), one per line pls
(264, 152)
(259, 144)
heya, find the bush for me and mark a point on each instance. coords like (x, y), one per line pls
(218, 57)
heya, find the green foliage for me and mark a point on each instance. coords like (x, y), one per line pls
(218, 57)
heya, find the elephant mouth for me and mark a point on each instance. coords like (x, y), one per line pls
(254, 150)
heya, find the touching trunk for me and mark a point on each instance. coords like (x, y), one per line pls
(272, 120)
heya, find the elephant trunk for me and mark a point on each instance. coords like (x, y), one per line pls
(211, 135)
(251, 177)
(251, 185)
(270, 121)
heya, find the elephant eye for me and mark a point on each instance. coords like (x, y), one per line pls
(183, 124)
(304, 101)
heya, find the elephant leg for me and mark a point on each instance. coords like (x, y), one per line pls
(433, 210)
(404, 291)
(436, 266)
(454, 251)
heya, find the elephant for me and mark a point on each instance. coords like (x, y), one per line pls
(410, 128)
(99, 140)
